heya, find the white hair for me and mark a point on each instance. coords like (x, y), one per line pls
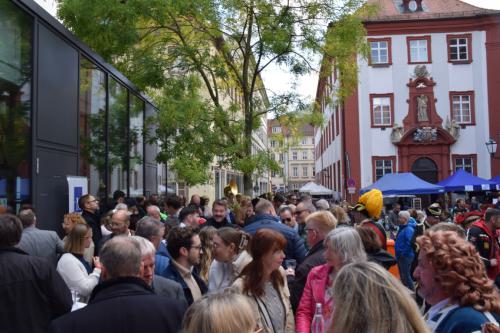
(405, 214)
(146, 246)
(346, 242)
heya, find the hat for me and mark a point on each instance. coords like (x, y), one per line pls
(467, 218)
(371, 202)
(434, 210)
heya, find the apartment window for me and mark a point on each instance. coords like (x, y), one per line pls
(382, 109)
(295, 172)
(304, 154)
(304, 141)
(273, 173)
(276, 129)
(465, 162)
(380, 51)
(462, 107)
(281, 157)
(382, 166)
(304, 171)
(459, 48)
(419, 49)
(294, 155)
(273, 143)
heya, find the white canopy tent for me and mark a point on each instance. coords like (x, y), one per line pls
(315, 189)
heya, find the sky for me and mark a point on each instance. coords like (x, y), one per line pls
(278, 80)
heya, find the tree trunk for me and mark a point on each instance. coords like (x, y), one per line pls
(247, 184)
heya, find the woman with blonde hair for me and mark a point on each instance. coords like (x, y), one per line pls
(206, 238)
(380, 301)
(222, 312)
(69, 222)
(75, 271)
(230, 257)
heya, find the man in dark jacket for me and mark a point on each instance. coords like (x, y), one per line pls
(318, 225)
(123, 302)
(219, 216)
(184, 246)
(90, 213)
(266, 218)
(32, 293)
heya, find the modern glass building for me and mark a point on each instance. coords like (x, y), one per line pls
(65, 112)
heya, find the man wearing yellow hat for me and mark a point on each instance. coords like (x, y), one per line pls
(367, 211)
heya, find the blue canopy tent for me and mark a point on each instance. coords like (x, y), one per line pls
(461, 181)
(403, 184)
(496, 182)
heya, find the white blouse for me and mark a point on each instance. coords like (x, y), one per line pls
(75, 275)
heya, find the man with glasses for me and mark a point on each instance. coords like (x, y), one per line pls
(318, 225)
(287, 217)
(90, 213)
(120, 221)
(184, 246)
(303, 210)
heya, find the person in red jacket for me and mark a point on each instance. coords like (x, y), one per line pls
(482, 234)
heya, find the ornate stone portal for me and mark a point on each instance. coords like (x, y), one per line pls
(422, 133)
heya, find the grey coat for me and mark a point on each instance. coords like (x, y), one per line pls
(168, 288)
(41, 243)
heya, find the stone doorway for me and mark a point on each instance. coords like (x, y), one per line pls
(426, 169)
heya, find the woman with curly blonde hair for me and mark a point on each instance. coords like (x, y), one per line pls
(382, 303)
(452, 278)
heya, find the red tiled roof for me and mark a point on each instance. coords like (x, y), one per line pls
(433, 9)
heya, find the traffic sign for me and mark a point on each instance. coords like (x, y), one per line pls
(351, 182)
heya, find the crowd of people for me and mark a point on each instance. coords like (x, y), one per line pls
(280, 264)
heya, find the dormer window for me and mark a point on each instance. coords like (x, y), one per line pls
(412, 6)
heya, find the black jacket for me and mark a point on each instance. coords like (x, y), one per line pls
(383, 258)
(314, 257)
(32, 293)
(94, 221)
(217, 225)
(123, 305)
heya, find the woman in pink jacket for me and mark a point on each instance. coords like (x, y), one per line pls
(343, 246)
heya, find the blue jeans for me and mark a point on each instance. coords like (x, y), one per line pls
(404, 266)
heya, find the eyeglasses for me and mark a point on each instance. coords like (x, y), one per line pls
(197, 247)
(90, 201)
(297, 212)
(288, 219)
(309, 229)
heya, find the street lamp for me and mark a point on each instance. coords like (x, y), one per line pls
(491, 145)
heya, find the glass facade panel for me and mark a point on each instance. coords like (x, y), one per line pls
(92, 111)
(136, 163)
(118, 144)
(15, 105)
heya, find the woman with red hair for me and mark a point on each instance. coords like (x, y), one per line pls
(263, 281)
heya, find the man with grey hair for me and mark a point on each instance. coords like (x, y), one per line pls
(303, 210)
(123, 302)
(153, 230)
(322, 204)
(120, 221)
(404, 247)
(266, 218)
(36, 242)
(154, 212)
(160, 285)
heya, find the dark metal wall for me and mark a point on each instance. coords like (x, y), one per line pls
(55, 115)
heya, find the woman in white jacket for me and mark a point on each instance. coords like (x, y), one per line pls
(230, 257)
(74, 269)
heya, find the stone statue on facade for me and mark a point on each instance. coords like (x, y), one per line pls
(422, 108)
(453, 128)
(397, 133)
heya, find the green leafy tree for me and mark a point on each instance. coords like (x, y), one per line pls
(202, 61)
